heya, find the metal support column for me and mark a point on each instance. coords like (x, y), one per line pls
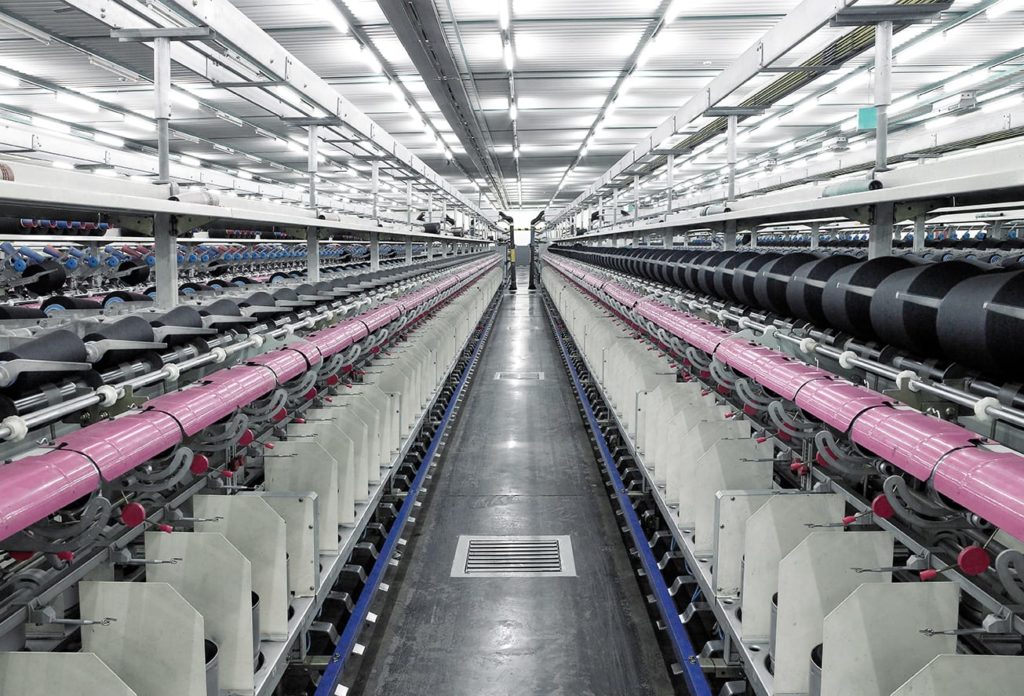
(670, 184)
(408, 249)
(753, 239)
(919, 233)
(883, 93)
(815, 235)
(636, 199)
(729, 235)
(408, 204)
(997, 231)
(600, 212)
(667, 239)
(444, 214)
(880, 233)
(430, 208)
(312, 238)
(164, 242)
(374, 251)
(375, 190)
(731, 154)
(615, 207)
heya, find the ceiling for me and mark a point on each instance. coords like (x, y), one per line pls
(569, 63)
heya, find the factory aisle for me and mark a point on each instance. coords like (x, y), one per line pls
(518, 463)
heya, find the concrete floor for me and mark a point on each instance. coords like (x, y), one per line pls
(519, 463)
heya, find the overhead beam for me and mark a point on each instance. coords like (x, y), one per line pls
(418, 27)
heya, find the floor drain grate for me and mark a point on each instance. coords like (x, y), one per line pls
(518, 375)
(513, 557)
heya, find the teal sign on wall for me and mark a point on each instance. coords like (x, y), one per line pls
(867, 118)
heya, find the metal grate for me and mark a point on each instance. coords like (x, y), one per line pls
(513, 557)
(518, 375)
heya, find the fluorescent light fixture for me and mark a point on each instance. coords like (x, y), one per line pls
(243, 174)
(923, 46)
(673, 11)
(185, 100)
(370, 59)
(105, 171)
(510, 58)
(513, 111)
(504, 17)
(190, 161)
(803, 107)
(295, 147)
(515, 153)
(137, 123)
(941, 122)
(786, 148)
(962, 82)
(62, 164)
(111, 140)
(50, 125)
(334, 15)
(1000, 8)
(73, 101)
(125, 74)
(9, 81)
(1002, 103)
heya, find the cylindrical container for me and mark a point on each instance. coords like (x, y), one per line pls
(255, 631)
(212, 668)
(773, 626)
(815, 679)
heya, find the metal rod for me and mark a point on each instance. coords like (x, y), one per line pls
(883, 93)
(731, 154)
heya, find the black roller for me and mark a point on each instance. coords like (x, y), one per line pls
(745, 274)
(772, 280)
(61, 302)
(807, 286)
(15, 312)
(905, 308)
(981, 322)
(47, 276)
(133, 328)
(848, 293)
(135, 271)
(123, 296)
(722, 284)
(258, 299)
(192, 288)
(59, 346)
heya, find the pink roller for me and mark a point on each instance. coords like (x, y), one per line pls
(243, 384)
(338, 338)
(382, 316)
(987, 480)
(909, 439)
(39, 485)
(787, 377)
(198, 406)
(119, 445)
(837, 401)
(308, 350)
(621, 295)
(286, 364)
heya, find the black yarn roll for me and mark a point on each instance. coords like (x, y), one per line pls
(722, 284)
(69, 303)
(183, 315)
(977, 326)
(693, 267)
(15, 312)
(807, 286)
(286, 295)
(745, 274)
(60, 346)
(305, 289)
(848, 293)
(137, 271)
(190, 288)
(258, 299)
(242, 280)
(772, 280)
(223, 307)
(904, 311)
(133, 328)
(48, 276)
(123, 296)
(705, 271)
